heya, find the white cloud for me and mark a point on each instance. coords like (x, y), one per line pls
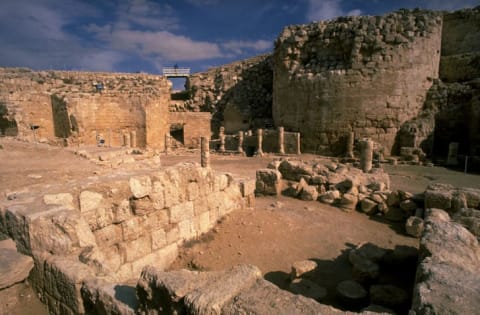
(327, 9)
(164, 45)
(239, 46)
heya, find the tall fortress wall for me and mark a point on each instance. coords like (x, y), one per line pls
(363, 74)
(409, 78)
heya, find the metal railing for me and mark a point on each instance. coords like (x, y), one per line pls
(176, 72)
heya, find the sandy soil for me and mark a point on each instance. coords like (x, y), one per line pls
(278, 232)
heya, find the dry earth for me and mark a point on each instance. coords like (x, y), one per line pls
(278, 232)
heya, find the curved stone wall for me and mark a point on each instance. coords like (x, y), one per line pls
(364, 74)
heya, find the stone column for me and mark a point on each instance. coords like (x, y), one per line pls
(281, 140)
(240, 142)
(167, 143)
(298, 144)
(350, 142)
(205, 152)
(259, 142)
(366, 155)
(133, 138)
(222, 139)
(126, 140)
(452, 158)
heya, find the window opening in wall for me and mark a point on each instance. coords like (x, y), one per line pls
(177, 133)
(61, 121)
(8, 127)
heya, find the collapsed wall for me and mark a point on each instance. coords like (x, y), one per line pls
(110, 228)
(83, 106)
(239, 95)
(366, 74)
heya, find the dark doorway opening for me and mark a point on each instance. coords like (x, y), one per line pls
(177, 133)
(250, 151)
(61, 123)
(8, 127)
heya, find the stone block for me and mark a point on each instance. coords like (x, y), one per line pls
(220, 182)
(181, 212)
(132, 228)
(300, 268)
(104, 298)
(159, 239)
(142, 206)
(157, 196)
(247, 187)
(200, 206)
(14, 267)
(159, 259)
(136, 249)
(63, 278)
(414, 226)
(294, 170)
(121, 211)
(330, 196)
(140, 186)
(192, 191)
(109, 235)
(388, 295)
(268, 182)
(211, 297)
(439, 199)
(172, 234)
(202, 223)
(186, 229)
(348, 202)
(62, 199)
(309, 193)
(369, 206)
(156, 220)
(90, 201)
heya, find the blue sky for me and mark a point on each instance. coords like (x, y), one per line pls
(146, 35)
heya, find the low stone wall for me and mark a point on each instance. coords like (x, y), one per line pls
(447, 280)
(110, 228)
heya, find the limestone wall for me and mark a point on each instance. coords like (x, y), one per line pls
(195, 125)
(111, 228)
(68, 104)
(364, 74)
(447, 280)
(238, 95)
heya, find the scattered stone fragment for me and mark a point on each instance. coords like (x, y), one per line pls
(414, 226)
(301, 267)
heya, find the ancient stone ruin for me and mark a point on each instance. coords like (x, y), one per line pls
(398, 88)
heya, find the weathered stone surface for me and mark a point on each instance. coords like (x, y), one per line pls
(330, 196)
(369, 206)
(301, 267)
(268, 182)
(62, 199)
(14, 267)
(140, 186)
(294, 170)
(100, 297)
(309, 193)
(414, 226)
(470, 219)
(211, 297)
(348, 202)
(448, 268)
(90, 201)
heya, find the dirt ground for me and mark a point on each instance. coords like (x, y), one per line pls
(278, 232)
